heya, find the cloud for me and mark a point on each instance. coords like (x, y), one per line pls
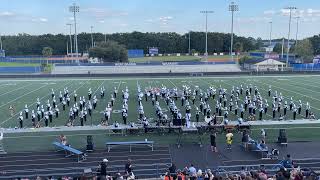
(43, 19)
(7, 14)
(312, 12)
(101, 13)
(36, 20)
(301, 12)
(254, 19)
(165, 18)
(149, 20)
(269, 12)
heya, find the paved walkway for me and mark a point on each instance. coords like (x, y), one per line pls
(99, 127)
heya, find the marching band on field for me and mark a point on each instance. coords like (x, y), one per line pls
(238, 101)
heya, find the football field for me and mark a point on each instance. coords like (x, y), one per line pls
(17, 93)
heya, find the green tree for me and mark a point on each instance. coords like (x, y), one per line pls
(278, 48)
(47, 51)
(259, 43)
(305, 50)
(110, 51)
(238, 47)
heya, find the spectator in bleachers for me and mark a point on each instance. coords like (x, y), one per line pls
(199, 175)
(131, 176)
(168, 176)
(128, 167)
(172, 170)
(288, 163)
(180, 175)
(103, 168)
(192, 172)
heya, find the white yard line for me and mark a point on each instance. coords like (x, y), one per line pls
(68, 82)
(23, 95)
(10, 91)
(296, 86)
(292, 92)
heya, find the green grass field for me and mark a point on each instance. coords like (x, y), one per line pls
(20, 92)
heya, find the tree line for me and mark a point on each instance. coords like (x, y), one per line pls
(25, 44)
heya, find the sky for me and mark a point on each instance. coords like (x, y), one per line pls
(109, 16)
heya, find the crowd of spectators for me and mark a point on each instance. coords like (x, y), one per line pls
(284, 173)
(287, 169)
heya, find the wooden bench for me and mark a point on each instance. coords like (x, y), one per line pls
(129, 143)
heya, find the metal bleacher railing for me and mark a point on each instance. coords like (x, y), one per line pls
(140, 170)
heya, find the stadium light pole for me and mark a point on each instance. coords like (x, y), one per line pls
(92, 45)
(75, 9)
(232, 8)
(189, 43)
(206, 14)
(290, 16)
(270, 32)
(0, 42)
(297, 31)
(70, 37)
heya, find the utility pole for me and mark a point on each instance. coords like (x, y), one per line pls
(232, 8)
(206, 14)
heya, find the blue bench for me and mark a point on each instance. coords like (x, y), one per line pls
(70, 151)
(129, 143)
